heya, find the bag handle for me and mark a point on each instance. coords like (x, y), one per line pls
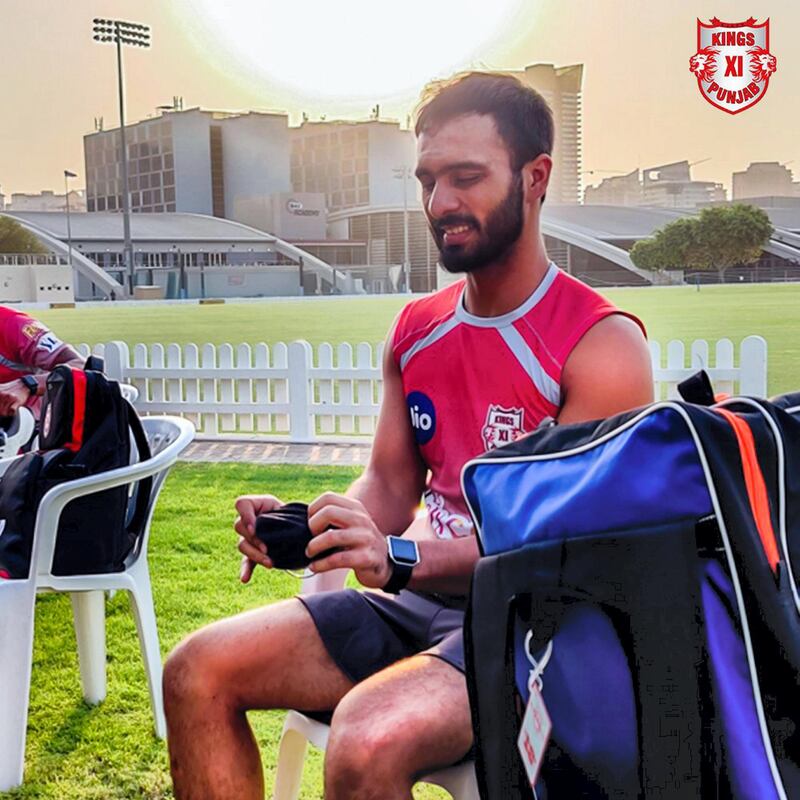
(144, 487)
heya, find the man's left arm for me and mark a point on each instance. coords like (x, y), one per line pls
(608, 372)
(40, 349)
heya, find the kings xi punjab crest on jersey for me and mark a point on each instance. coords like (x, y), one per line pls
(732, 64)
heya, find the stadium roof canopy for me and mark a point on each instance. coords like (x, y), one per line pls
(172, 229)
(633, 222)
(105, 226)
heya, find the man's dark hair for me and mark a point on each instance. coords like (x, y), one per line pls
(521, 114)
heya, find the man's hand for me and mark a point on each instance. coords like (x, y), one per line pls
(362, 547)
(253, 550)
(12, 395)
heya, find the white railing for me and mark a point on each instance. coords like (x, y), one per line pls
(291, 390)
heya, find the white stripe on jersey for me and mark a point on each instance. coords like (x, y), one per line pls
(547, 387)
(440, 330)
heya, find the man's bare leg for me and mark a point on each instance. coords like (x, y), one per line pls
(395, 726)
(271, 657)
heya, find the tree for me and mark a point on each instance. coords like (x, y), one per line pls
(729, 236)
(16, 239)
(718, 238)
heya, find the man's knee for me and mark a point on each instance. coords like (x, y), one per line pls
(365, 743)
(195, 671)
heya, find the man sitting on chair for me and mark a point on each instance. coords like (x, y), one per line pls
(470, 367)
(28, 352)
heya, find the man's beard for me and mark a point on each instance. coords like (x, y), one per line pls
(503, 228)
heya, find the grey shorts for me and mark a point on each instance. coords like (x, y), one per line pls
(365, 632)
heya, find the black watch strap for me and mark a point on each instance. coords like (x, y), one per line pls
(403, 556)
(401, 575)
(31, 383)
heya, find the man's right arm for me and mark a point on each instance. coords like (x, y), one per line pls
(390, 488)
(386, 495)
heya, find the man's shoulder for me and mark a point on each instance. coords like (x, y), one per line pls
(423, 314)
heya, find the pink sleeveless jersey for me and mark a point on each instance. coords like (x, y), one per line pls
(475, 383)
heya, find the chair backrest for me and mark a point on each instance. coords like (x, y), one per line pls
(168, 437)
(164, 435)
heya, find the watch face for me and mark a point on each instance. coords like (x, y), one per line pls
(403, 551)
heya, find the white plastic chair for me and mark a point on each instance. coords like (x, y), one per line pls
(17, 434)
(168, 437)
(299, 730)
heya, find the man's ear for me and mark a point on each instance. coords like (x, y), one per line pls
(535, 178)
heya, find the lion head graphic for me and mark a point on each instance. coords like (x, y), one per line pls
(703, 63)
(762, 64)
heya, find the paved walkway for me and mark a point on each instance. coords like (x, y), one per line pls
(341, 454)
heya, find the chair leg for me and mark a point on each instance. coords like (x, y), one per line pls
(16, 651)
(89, 613)
(289, 769)
(145, 615)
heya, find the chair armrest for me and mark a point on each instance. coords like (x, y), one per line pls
(313, 583)
(54, 501)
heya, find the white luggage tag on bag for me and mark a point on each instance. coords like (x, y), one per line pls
(536, 725)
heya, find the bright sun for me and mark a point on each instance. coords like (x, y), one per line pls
(350, 48)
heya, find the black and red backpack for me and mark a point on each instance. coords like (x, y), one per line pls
(86, 428)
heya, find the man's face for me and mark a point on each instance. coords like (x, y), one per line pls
(472, 199)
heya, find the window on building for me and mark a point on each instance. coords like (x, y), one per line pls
(144, 165)
(157, 195)
(170, 206)
(101, 204)
(155, 163)
(349, 198)
(147, 198)
(136, 199)
(169, 194)
(144, 182)
(90, 204)
(363, 196)
(169, 161)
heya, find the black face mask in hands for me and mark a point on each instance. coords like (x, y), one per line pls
(286, 534)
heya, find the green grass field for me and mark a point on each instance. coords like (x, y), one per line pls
(109, 752)
(669, 313)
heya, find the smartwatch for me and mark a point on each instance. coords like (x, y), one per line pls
(31, 383)
(403, 557)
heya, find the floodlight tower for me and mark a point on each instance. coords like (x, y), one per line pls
(135, 35)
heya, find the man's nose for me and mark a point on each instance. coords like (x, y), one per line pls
(442, 201)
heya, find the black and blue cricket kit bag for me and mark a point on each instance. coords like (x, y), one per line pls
(639, 577)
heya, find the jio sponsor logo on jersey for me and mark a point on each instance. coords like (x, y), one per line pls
(423, 416)
(503, 425)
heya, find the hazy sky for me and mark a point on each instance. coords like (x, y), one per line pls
(641, 106)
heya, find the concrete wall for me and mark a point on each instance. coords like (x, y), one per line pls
(390, 148)
(41, 283)
(192, 162)
(255, 159)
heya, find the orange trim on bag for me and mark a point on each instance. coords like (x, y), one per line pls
(756, 487)
(79, 411)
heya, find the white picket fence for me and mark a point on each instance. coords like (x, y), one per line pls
(293, 391)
